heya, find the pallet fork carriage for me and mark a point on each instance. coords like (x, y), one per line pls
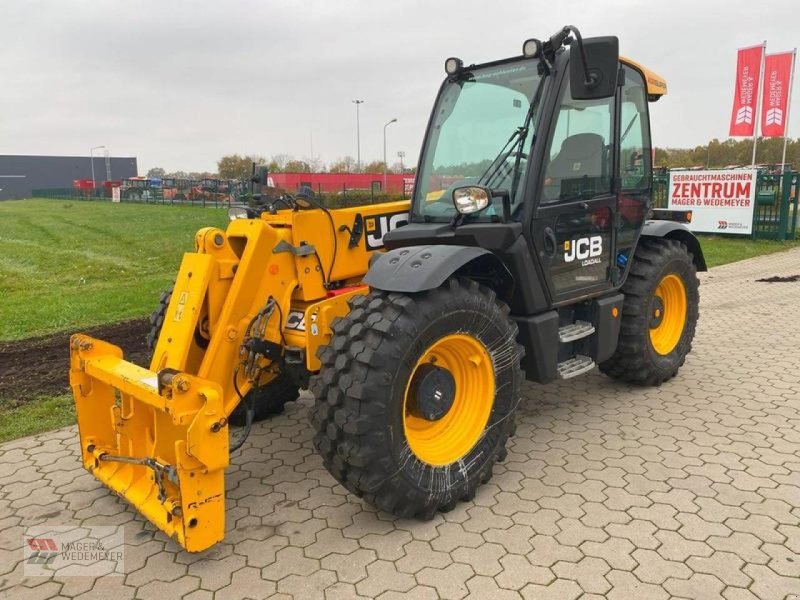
(528, 251)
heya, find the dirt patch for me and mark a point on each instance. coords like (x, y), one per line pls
(40, 366)
(779, 279)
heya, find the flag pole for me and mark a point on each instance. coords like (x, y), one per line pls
(788, 109)
(757, 116)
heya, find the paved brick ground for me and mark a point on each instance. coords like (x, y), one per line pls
(689, 490)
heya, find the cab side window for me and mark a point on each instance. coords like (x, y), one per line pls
(634, 163)
(634, 141)
(581, 150)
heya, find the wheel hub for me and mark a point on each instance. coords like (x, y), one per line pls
(432, 392)
(656, 312)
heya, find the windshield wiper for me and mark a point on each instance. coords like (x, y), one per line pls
(501, 157)
(516, 141)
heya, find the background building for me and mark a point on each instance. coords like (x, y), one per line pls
(19, 175)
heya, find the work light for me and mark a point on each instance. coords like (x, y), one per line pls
(453, 65)
(531, 48)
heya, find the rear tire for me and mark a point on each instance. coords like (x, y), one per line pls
(659, 315)
(268, 400)
(369, 431)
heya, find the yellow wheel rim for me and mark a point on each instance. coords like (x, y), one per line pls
(668, 314)
(451, 437)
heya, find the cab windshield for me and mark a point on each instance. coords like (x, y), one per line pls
(481, 133)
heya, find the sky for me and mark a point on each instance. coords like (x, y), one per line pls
(179, 84)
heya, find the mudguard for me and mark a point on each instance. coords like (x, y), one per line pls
(419, 268)
(673, 230)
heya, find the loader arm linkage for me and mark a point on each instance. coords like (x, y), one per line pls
(159, 437)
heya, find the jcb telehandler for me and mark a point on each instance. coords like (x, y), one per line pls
(529, 250)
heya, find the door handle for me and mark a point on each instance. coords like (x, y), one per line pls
(549, 242)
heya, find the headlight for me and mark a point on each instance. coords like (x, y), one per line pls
(237, 212)
(470, 199)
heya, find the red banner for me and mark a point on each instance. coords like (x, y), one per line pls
(748, 71)
(775, 100)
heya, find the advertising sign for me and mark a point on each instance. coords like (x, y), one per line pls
(115, 194)
(775, 99)
(745, 94)
(721, 201)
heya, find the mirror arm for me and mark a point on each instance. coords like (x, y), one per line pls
(590, 80)
(506, 198)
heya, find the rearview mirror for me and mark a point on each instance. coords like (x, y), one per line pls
(471, 199)
(593, 67)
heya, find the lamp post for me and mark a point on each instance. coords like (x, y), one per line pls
(384, 152)
(91, 160)
(358, 135)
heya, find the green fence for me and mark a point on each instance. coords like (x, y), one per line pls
(776, 206)
(345, 198)
(151, 198)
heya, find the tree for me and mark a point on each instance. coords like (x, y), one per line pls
(376, 166)
(157, 172)
(234, 166)
(346, 164)
(277, 164)
(178, 175)
(297, 166)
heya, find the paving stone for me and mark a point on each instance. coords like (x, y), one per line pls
(383, 576)
(616, 552)
(588, 572)
(419, 555)
(518, 572)
(697, 587)
(450, 582)
(561, 589)
(350, 568)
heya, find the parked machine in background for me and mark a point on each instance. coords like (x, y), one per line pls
(537, 257)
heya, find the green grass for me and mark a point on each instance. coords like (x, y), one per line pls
(71, 264)
(723, 250)
(19, 419)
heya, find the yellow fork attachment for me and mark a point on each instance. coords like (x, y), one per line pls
(164, 453)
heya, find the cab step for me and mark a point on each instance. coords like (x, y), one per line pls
(575, 331)
(577, 365)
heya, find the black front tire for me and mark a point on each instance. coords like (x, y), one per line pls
(360, 391)
(636, 360)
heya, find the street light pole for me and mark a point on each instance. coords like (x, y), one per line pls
(358, 135)
(384, 152)
(91, 160)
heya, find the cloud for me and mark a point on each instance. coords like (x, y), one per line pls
(180, 83)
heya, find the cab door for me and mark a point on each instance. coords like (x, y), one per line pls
(573, 225)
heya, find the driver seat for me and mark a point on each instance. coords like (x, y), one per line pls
(582, 157)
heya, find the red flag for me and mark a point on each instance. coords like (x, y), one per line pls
(775, 99)
(748, 72)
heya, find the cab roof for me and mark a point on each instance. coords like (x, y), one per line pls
(656, 84)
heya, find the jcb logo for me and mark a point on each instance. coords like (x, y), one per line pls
(583, 248)
(380, 225)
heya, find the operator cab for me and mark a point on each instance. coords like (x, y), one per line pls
(545, 161)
